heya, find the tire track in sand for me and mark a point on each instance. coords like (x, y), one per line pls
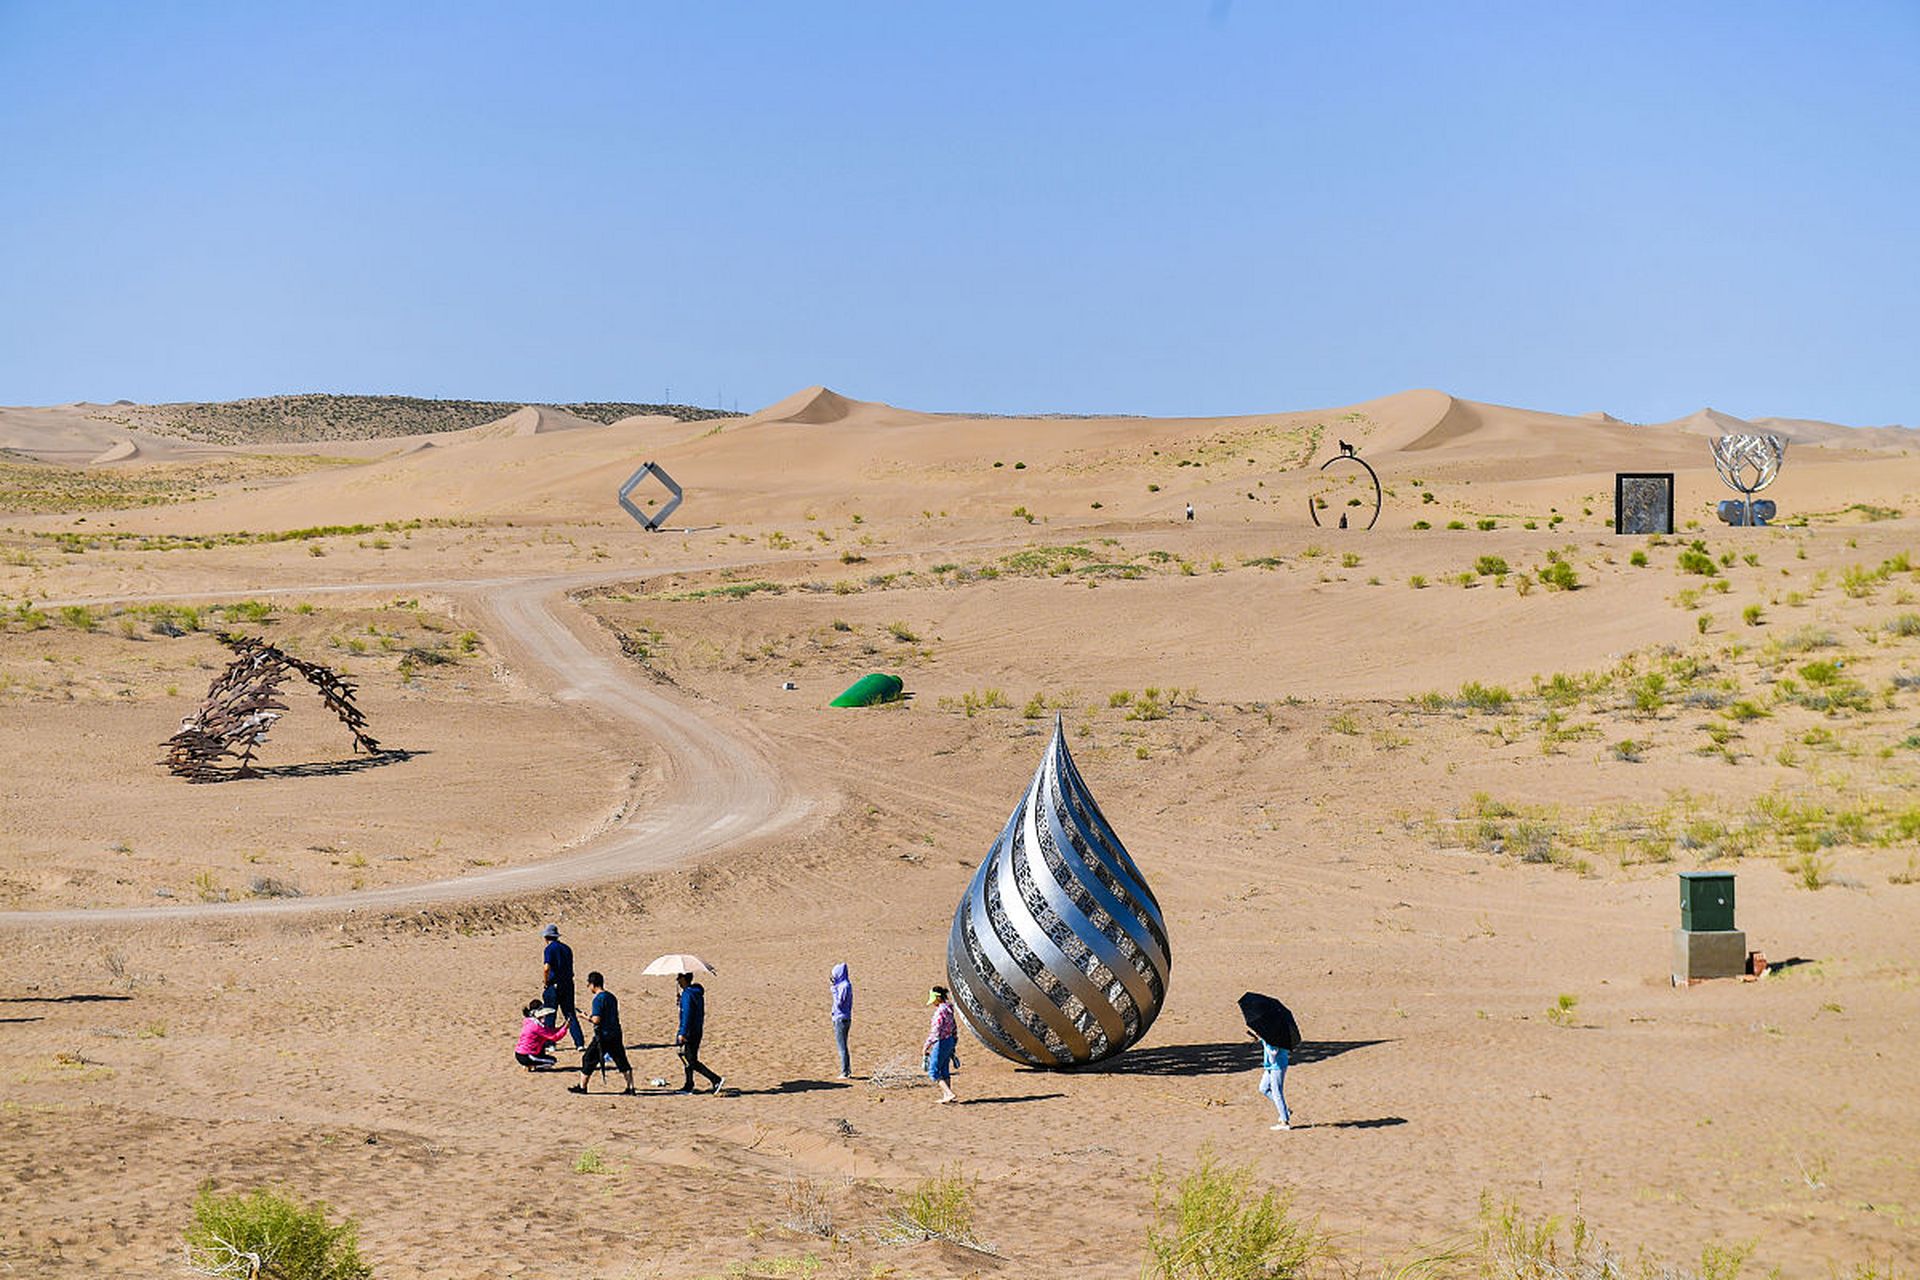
(720, 785)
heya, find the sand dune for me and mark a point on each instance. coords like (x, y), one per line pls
(535, 420)
(1326, 749)
(1799, 431)
(120, 451)
(818, 406)
(860, 456)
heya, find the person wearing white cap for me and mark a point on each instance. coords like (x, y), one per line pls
(557, 983)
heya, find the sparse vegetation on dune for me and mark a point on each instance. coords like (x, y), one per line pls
(37, 487)
(293, 419)
(76, 542)
(125, 662)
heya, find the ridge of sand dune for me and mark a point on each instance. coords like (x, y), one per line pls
(812, 405)
(1709, 422)
(649, 420)
(821, 406)
(1459, 421)
(534, 420)
(119, 451)
(1804, 432)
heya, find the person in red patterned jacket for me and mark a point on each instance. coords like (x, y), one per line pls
(942, 1037)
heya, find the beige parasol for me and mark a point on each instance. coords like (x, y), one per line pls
(679, 962)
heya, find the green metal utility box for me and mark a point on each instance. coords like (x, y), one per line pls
(1706, 901)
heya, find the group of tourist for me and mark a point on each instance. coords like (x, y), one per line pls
(554, 1017)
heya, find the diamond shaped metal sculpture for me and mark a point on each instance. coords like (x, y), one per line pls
(651, 523)
(1058, 955)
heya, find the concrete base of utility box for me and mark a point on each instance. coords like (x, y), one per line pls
(1719, 954)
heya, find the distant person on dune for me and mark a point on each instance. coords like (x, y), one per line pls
(537, 1038)
(693, 1026)
(942, 1038)
(842, 1015)
(556, 976)
(604, 1013)
(1189, 511)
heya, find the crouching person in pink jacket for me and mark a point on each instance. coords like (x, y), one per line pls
(532, 1052)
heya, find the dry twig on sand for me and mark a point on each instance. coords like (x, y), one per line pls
(807, 1209)
(901, 1071)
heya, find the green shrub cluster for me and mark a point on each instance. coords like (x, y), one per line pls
(270, 1236)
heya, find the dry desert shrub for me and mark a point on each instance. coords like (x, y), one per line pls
(901, 1071)
(807, 1209)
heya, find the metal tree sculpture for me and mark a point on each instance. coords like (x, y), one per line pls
(243, 702)
(1734, 456)
(1058, 955)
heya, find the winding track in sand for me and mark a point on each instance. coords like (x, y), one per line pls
(720, 785)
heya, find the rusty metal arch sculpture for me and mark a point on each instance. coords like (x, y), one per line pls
(1346, 455)
(1058, 955)
(242, 704)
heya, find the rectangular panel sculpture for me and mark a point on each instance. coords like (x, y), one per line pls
(1643, 502)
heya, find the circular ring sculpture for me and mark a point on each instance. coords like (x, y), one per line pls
(1058, 955)
(1735, 456)
(1346, 455)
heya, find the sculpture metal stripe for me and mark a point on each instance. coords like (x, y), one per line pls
(1058, 955)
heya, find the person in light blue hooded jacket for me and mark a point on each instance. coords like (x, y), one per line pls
(842, 1015)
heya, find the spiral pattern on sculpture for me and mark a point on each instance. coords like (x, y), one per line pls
(1058, 955)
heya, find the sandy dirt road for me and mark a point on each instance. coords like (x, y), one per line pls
(720, 785)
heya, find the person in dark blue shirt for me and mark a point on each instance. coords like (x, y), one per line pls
(557, 983)
(693, 1025)
(604, 1013)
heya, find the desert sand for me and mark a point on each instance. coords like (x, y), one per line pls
(1341, 758)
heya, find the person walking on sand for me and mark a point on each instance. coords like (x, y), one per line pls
(693, 1025)
(604, 1013)
(1273, 1080)
(1273, 1025)
(533, 1051)
(942, 1038)
(842, 1015)
(556, 978)
(1189, 511)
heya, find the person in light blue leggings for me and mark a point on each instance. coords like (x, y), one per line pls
(1273, 1081)
(842, 1015)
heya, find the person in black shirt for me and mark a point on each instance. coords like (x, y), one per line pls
(693, 1025)
(604, 1013)
(557, 983)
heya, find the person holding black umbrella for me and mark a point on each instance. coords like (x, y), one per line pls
(1273, 1025)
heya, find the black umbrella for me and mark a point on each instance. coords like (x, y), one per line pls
(1270, 1020)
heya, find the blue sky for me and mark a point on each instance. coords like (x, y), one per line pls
(1176, 207)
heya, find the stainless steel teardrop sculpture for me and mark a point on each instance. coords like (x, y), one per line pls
(1058, 955)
